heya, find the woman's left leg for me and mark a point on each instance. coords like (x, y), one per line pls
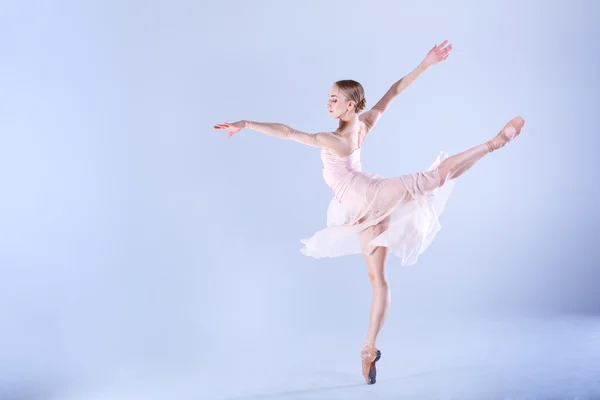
(380, 305)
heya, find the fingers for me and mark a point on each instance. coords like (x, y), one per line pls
(440, 51)
(441, 45)
(232, 132)
(222, 126)
(227, 125)
(444, 53)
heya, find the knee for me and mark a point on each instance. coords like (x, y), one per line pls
(443, 173)
(378, 282)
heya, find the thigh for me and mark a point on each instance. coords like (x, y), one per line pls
(421, 183)
(370, 233)
(375, 259)
(376, 264)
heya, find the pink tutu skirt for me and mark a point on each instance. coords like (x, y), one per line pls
(400, 213)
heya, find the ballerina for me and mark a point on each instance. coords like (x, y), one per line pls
(369, 214)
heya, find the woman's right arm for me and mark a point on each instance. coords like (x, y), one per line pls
(323, 140)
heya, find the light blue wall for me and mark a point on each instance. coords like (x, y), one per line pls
(130, 230)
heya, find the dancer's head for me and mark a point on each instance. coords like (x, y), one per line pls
(346, 97)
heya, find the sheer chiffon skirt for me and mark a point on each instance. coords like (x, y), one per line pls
(400, 213)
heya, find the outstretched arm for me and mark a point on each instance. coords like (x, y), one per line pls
(324, 139)
(435, 55)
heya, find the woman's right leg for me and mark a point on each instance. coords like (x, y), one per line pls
(456, 165)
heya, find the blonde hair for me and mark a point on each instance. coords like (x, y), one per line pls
(353, 91)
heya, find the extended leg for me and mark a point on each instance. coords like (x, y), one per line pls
(456, 165)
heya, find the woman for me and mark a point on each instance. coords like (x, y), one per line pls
(370, 214)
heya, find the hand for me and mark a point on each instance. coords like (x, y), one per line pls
(438, 53)
(234, 128)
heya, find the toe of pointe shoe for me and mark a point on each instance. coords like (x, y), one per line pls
(369, 367)
(513, 128)
(517, 123)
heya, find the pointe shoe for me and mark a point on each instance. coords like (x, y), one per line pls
(369, 356)
(510, 131)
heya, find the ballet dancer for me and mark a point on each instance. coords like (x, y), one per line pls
(369, 214)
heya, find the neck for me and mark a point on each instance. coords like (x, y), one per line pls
(349, 117)
(348, 120)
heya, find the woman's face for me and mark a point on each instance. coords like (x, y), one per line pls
(338, 104)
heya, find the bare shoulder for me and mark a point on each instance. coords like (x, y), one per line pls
(328, 140)
(370, 118)
(335, 142)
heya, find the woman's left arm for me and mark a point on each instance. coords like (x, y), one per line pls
(435, 55)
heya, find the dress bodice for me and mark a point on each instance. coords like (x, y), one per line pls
(338, 171)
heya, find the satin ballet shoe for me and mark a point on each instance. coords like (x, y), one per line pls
(369, 356)
(510, 131)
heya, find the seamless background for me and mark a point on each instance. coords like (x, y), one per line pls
(143, 254)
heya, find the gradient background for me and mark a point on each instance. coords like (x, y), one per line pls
(138, 245)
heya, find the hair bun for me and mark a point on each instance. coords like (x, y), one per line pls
(353, 91)
(361, 105)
